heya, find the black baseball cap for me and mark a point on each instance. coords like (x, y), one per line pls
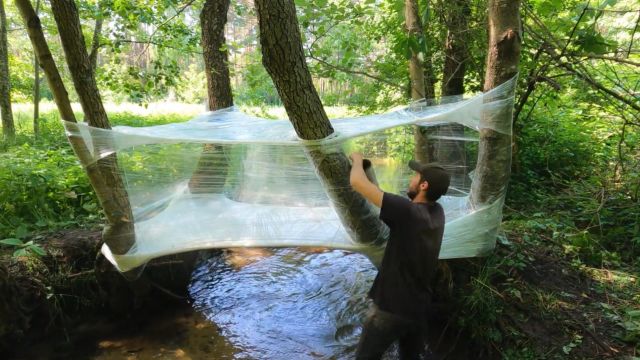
(437, 177)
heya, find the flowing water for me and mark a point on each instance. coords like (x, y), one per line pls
(247, 304)
(290, 304)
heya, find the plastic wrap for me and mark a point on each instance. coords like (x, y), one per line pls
(227, 179)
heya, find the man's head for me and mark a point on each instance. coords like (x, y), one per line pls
(431, 179)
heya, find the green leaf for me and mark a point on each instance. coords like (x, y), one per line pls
(20, 252)
(12, 242)
(37, 250)
(633, 313)
(21, 232)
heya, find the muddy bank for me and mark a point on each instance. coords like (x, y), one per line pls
(51, 294)
(176, 332)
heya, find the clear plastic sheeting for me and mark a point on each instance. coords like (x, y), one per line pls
(228, 179)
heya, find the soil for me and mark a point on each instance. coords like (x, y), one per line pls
(554, 307)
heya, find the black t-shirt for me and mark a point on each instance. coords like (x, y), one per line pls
(402, 285)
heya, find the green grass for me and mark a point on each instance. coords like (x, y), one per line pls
(43, 187)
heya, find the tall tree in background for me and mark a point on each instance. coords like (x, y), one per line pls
(8, 127)
(283, 57)
(97, 32)
(45, 60)
(119, 233)
(420, 74)
(455, 47)
(414, 29)
(36, 86)
(446, 151)
(211, 171)
(212, 20)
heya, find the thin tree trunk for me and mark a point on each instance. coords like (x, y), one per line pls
(212, 20)
(45, 59)
(494, 154)
(36, 87)
(414, 29)
(283, 57)
(429, 77)
(8, 127)
(421, 76)
(95, 43)
(119, 233)
(457, 22)
(211, 171)
(452, 152)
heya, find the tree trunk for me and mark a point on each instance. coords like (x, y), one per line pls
(429, 77)
(95, 43)
(455, 48)
(494, 153)
(422, 80)
(414, 30)
(36, 87)
(119, 233)
(283, 57)
(45, 60)
(452, 152)
(61, 98)
(211, 171)
(8, 128)
(212, 20)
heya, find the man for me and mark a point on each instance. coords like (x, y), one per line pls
(401, 292)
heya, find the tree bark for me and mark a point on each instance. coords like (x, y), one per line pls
(283, 57)
(494, 153)
(211, 172)
(45, 59)
(413, 26)
(95, 42)
(36, 87)
(212, 20)
(457, 22)
(424, 149)
(119, 233)
(452, 152)
(8, 127)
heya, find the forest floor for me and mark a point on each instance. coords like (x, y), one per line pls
(549, 304)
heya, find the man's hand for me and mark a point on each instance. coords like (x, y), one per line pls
(356, 157)
(361, 183)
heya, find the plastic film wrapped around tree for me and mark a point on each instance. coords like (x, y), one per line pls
(228, 179)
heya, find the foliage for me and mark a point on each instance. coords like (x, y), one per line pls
(23, 248)
(42, 184)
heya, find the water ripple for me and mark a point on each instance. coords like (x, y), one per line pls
(289, 305)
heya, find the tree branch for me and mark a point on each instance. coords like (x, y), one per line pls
(153, 34)
(354, 72)
(151, 42)
(610, 58)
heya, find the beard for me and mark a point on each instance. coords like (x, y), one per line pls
(412, 194)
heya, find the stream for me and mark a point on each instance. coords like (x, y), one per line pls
(260, 304)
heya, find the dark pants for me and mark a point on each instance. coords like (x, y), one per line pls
(382, 328)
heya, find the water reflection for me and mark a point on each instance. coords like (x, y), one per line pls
(289, 305)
